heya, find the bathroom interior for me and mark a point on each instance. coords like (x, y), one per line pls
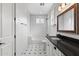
(39, 29)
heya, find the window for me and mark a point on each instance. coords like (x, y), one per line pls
(40, 20)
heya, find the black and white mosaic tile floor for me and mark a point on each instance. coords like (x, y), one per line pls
(38, 49)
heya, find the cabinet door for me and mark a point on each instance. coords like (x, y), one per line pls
(7, 19)
(7, 28)
(55, 51)
(62, 54)
(48, 47)
(0, 20)
(52, 51)
(58, 52)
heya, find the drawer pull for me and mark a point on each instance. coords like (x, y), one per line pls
(1, 43)
(55, 48)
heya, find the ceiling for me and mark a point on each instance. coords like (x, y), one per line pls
(36, 9)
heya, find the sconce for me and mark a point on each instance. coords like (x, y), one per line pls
(62, 6)
(59, 8)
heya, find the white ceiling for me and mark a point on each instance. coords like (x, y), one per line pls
(36, 9)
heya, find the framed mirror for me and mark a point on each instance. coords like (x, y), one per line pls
(66, 21)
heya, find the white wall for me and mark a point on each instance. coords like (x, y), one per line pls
(38, 31)
(22, 30)
(52, 21)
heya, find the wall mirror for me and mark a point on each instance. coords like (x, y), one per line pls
(66, 21)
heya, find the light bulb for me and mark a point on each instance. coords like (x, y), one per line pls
(59, 8)
(63, 5)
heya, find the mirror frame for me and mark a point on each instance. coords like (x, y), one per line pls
(74, 31)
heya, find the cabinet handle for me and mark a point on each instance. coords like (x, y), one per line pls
(55, 48)
(48, 44)
(1, 43)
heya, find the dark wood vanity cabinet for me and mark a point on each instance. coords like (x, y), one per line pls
(68, 20)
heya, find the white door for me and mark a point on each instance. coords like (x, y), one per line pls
(22, 28)
(7, 25)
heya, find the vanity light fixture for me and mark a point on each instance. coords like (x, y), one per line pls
(61, 6)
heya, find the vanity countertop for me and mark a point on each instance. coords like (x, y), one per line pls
(67, 47)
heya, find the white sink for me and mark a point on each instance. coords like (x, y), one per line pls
(55, 38)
